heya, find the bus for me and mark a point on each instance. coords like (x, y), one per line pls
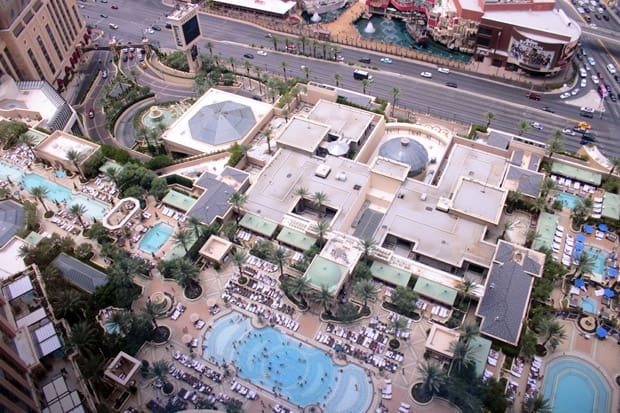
(361, 74)
(602, 90)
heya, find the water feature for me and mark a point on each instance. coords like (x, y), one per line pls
(588, 305)
(315, 18)
(8, 171)
(60, 174)
(370, 28)
(326, 17)
(599, 259)
(155, 238)
(157, 115)
(568, 200)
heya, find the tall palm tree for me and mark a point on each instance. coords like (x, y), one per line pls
(337, 79)
(537, 404)
(398, 324)
(154, 310)
(366, 290)
(248, 66)
(615, 164)
(210, 47)
(78, 211)
(554, 146)
(29, 141)
(489, 116)
(237, 200)
(302, 193)
(323, 298)
(433, 377)
(232, 62)
(84, 338)
(368, 245)
(522, 127)
(122, 320)
(159, 370)
(40, 192)
(283, 65)
(304, 40)
(306, 70)
(506, 226)
(275, 39)
(466, 287)
(196, 226)
(75, 157)
(463, 355)
(550, 330)
(365, 85)
(184, 239)
(267, 132)
(469, 331)
(546, 186)
(298, 286)
(239, 257)
(579, 214)
(586, 264)
(280, 255)
(395, 92)
(321, 228)
(67, 302)
(319, 198)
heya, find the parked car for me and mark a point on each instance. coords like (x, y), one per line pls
(261, 53)
(91, 113)
(364, 60)
(533, 96)
(156, 28)
(583, 83)
(565, 95)
(611, 69)
(569, 132)
(114, 7)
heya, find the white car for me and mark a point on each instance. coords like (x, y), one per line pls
(569, 132)
(591, 61)
(565, 95)
(536, 125)
(583, 83)
(386, 60)
(611, 69)
(595, 79)
(575, 91)
(261, 53)
(426, 74)
(340, 58)
(443, 70)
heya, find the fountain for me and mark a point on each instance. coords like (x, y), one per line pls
(155, 113)
(315, 18)
(370, 28)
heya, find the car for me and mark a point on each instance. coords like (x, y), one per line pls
(595, 79)
(81, 6)
(536, 125)
(364, 60)
(124, 50)
(91, 113)
(591, 61)
(104, 1)
(611, 69)
(114, 7)
(130, 56)
(569, 132)
(598, 16)
(143, 65)
(340, 58)
(156, 28)
(583, 83)
(574, 91)
(148, 30)
(605, 17)
(248, 55)
(533, 96)
(104, 74)
(124, 58)
(105, 16)
(261, 53)
(426, 74)
(168, 26)
(268, 35)
(386, 60)
(564, 95)
(548, 109)
(617, 78)
(291, 46)
(451, 84)
(443, 70)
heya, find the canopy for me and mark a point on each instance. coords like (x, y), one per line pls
(588, 229)
(601, 332)
(579, 246)
(609, 293)
(580, 237)
(602, 227)
(612, 272)
(579, 282)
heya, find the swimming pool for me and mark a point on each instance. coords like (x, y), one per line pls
(299, 372)
(111, 328)
(568, 200)
(588, 305)
(572, 385)
(8, 171)
(598, 260)
(60, 174)
(155, 237)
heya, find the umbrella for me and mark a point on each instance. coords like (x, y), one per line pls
(186, 338)
(602, 227)
(588, 229)
(194, 317)
(211, 302)
(609, 293)
(579, 283)
(580, 237)
(612, 272)
(601, 332)
(579, 246)
(338, 148)
(577, 253)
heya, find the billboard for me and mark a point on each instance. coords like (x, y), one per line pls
(191, 30)
(528, 52)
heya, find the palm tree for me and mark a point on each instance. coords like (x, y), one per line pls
(489, 116)
(337, 78)
(395, 92)
(303, 40)
(365, 85)
(550, 330)
(306, 70)
(398, 324)
(433, 377)
(463, 356)
(196, 226)
(158, 370)
(267, 133)
(579, 214)
(75, 157)
(275, 39)
(184, 239)
(319, 198)
(554, 146)
(586, 264)
(469, 331)
(239, 257)
(302, 193)
(283, 65)
(615, 164)
(84, 338)
(321, 229)
(67, 302)
(78, 211)
(122, 320)
(368, 245)
(299, 287)
(210, 47)
(546, 186)
(232, 62)
(237, 200)
(366, 290)
(466, 287)
(248, 65)
(522, 127)
(323, 298)
(154, 310)
(29, 141)
(506, 226)
(40, 192)
(537, 404)
(280, 255)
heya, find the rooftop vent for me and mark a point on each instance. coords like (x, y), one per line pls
(322, 171)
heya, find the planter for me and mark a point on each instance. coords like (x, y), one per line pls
(167, 389)
(193, 292)
(419, 396)
(160, 335)
(394, 344)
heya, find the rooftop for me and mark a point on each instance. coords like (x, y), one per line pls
(570, 171)
(480, 347)
(391, 275)
(278, 7)
(59, 143)
(439, 339)
(435, 291)
(611, 205)
(325, 273)
(479, 200)
(215, 248)
(258, 225)
(344, 121)
(555, 22)
(178, 200)
(303, 134)
(76, 272)
(523, 180)
(10, 260)
(11, 219)
(296, 239)
(213, 203)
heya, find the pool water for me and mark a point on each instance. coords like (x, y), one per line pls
(111, 328)
(299, 372)
(8, 171)
(59, 193)
(155, 238)
(60, 174)
(568, 200)
(588, 305)
(598, 260)
(573, 385)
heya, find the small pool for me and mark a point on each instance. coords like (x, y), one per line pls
(111, 328)
(299, 372)
(8, 171)
(573, 385)
(155, 238)
(60, 174)
(588, 305)
(568, 200)
(599, 259)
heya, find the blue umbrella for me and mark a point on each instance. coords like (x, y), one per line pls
(577, 253)
(580, 237)
(588, 229)
(612, 272)
(579, 246)
(579, 283)
(602, 227)
(609, 293)
(601, 332)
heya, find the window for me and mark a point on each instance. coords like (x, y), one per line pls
(53, 40)
(53, 12)
(18, 73)
(35, 63)
(46, 55)
(483, 41)
(485, 31)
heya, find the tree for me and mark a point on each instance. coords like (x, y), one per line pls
(466, 287)
(67, 303)
(298, 286)
(40, 192)
(489, 116)
(321, 228)
(323, 298)
(10, 131)
(98, 233)
(232, 62)
(275, 39)
(84, 338)
(229, 230)
(404, 299)
(78, 211)
(433, 377)
(586, 264)
(615, 164)
(304, 40)
(550, 330)
(319, 198)
(158, 370)
(210, 47)
(398, 324)
(248, 65)
(185, 239)
(267, 132)
(279, 255)
(368, 245)
(283, 65)
(302, 193)
(547, 186)
(29, 141)
(121, 321)
(395, 92)
(337, 79)
(554, 146)
(522, 127)
(111, 173)
(366, 290)
(159, 188)
(579, 214)
(463, 355)
(469, 331)
(365, 85)
(239, 257)
(536, 404)
(527, 344)
(182, 270)
(506, 226)
(75, 157)
(196, 226)
(306, 70)
(237, 200)
(154, 310)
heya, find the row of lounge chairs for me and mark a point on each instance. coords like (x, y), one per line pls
(242, 390)
(189, 362)
(260, 276)
(262, 264)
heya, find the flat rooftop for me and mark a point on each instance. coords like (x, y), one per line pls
(556, 23)
(344, 121)
(303, 134)
(59, 143)
(479, 201)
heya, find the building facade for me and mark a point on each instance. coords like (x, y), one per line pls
(41, 39)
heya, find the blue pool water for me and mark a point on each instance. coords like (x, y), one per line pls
(111, 328)
(299, 372)
(59, 193)
(572, 385)
(60, 174)
(568, 200)
(598, 260)
(155, 237)
(10, 172)
(588, 305)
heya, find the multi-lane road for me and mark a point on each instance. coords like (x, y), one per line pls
(467, 103)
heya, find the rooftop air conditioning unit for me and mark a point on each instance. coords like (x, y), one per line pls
(322, 171)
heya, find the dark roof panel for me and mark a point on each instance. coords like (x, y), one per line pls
(79, 273)
(11, 219)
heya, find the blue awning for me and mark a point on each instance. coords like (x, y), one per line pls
(579, 283)
(579, 246)
(601, 332)
(609, 293)
(588, 229)
(580, 237)
(602, 227)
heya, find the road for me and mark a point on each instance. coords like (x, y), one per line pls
(468, 103)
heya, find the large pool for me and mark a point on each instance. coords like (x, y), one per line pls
(155, 237)
(299, 372)
(568, 200)
(572, 385)
(598, 260)
(8, 171)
